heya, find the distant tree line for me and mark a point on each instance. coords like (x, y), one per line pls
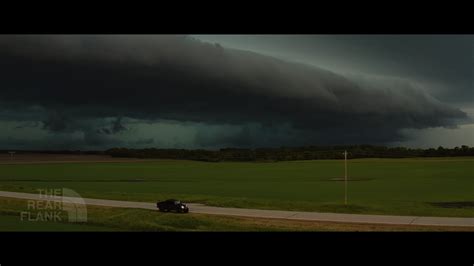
(290, 153)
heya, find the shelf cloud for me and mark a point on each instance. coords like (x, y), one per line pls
(96, 83)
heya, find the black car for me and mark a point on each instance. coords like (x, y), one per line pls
(172, 205)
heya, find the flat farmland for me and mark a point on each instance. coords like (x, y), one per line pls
(418, 186)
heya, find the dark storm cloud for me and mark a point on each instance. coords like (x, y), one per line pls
(115, 127)
(145, 141)
(28, 124)
(445, 62)
(78, 79)
(56, 122)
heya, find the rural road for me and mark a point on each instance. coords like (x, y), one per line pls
(274, 214)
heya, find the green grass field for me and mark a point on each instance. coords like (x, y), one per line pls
(13, 223)
(379, 186)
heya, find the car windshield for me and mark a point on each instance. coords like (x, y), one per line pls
(177, 202)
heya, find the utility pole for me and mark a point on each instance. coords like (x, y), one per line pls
(345, 177)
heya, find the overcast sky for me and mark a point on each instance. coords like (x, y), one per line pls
(207, 91)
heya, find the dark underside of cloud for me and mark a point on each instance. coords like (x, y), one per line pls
(76, 80)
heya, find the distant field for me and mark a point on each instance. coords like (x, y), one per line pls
(419, 186)
(32, 158)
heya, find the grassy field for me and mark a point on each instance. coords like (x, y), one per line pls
(13, 223)
(420, 186)
(117, 219)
